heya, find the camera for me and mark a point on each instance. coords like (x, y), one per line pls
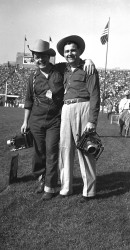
(90, 146)
(90, 143)
(21, 141)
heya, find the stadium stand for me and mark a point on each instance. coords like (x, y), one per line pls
(15, 78)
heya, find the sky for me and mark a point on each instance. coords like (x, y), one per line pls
(41, 19)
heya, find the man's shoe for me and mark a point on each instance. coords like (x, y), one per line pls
(40, 188)
(88, 198)
(47, 196)
(63, 196)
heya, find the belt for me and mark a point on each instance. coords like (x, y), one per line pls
(76, 100)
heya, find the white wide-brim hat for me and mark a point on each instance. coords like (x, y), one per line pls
(73, 38)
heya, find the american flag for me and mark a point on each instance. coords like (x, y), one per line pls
(104, 36)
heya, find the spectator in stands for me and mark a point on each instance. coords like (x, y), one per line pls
(124, 103)
(116, 107)
(124, 112)
(109, 107)
(43, 105)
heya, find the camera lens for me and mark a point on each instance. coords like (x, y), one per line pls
(10, 142)
(91, 147)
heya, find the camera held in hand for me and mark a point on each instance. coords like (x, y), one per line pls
(21, 141)
(90, 143)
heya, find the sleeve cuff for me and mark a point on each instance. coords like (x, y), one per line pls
(28, 105)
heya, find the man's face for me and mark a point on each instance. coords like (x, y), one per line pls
(71, 54)
(41, 60)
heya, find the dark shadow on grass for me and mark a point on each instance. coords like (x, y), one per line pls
(23, 179)
(109, 185)
(77, 185)
(26, 178)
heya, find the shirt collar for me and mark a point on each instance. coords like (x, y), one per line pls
(79, 66)
(38, 72)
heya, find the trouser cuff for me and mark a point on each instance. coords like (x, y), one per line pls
(49, 190)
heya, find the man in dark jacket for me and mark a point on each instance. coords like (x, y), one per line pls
(44, 99)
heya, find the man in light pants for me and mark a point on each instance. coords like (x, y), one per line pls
(79, 112)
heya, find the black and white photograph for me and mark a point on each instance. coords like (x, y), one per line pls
(64, 125)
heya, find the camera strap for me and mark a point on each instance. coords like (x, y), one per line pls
(35, 98)
(34, 79)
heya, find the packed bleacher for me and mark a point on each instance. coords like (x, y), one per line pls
(112, 84)
(16, 79)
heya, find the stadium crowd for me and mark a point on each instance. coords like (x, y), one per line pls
(113, 84)
(15, 80)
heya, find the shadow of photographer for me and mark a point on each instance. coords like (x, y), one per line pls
(109, 185)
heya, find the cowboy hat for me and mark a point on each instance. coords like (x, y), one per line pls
(77, 39)
(42, 47)
(127, 92)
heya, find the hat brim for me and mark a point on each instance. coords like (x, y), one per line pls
(50, 52)
(77, 39)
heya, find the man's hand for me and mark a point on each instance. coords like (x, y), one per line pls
(90, 127)
(89, 66)
(24, 128)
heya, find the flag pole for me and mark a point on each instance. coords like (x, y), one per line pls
(24, 45)
(106, 64)
(50, 41)
(107, 47)
(52, 60)
(6, 86)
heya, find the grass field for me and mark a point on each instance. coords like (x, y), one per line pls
(26, 222)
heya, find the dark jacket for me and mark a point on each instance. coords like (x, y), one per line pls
(37, 99)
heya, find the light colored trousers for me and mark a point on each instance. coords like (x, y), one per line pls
(73, 122)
